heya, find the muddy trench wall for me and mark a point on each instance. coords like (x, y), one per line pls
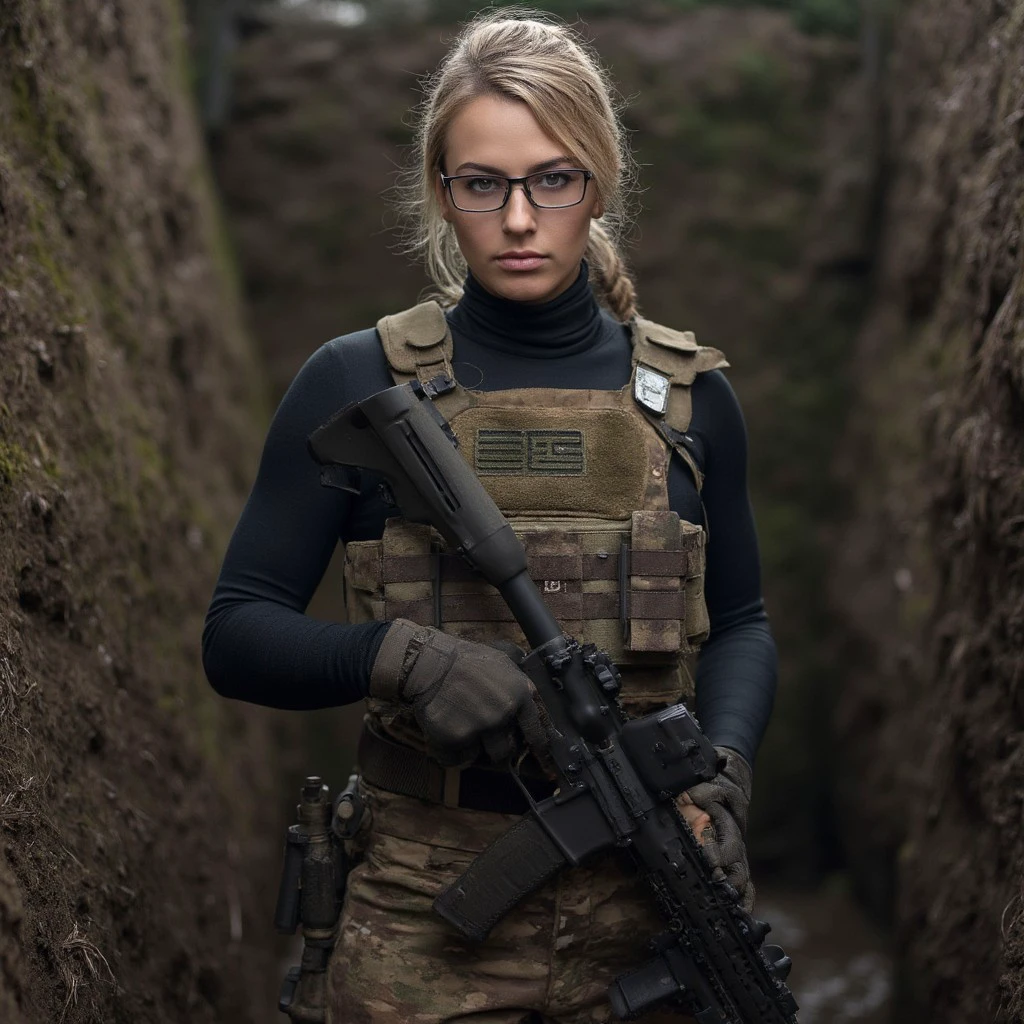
(929, 570)
(132, 870)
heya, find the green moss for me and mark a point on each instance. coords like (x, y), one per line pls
(154, 469)
(43, 255)
(185, 75)
(35, 121)
(169, 703)
(118, 322)
(14, 461)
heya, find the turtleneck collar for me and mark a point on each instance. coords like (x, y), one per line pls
(568, 324)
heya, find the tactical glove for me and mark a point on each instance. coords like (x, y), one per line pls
(466, 697)
(726, 799)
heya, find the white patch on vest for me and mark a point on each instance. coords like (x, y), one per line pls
(650, 389)
(552, 586)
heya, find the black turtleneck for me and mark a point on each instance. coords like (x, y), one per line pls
(260, 646)
(568, 325)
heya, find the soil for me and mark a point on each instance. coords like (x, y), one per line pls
(133, 870)
(931, 574)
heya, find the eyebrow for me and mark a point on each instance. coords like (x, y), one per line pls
(532, 170)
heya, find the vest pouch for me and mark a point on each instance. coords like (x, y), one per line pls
(696, 622)
(364, 591)
(576, 564)
(662, 581)
(633, 587)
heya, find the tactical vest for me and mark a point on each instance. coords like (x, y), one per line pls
(582, 477)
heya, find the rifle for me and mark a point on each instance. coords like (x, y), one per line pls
(617, 778)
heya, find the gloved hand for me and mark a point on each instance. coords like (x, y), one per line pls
(726, 799)
(466, 697)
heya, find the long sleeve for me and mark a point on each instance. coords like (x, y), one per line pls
(258, 643)
(737, 669)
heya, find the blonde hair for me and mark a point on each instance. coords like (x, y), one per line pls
(524, 55)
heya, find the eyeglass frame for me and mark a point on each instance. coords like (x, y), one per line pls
(447, 179)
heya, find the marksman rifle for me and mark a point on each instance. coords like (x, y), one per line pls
(617, 778)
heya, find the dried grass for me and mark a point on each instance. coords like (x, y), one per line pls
(9, 809)
(8, 684)
(77, 960)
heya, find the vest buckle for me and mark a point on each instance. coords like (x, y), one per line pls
(439, 385)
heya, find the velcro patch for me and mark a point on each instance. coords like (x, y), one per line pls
(530, 453)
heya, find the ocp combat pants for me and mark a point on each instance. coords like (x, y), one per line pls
(551, 959)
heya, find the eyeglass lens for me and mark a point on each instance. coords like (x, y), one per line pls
(479, 193)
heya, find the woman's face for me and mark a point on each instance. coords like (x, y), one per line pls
(518, 252)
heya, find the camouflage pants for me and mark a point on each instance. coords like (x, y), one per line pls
(550, 960)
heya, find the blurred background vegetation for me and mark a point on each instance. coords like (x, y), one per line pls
(840, 17)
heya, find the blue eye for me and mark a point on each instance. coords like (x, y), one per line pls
(481, 184)
(554, 180)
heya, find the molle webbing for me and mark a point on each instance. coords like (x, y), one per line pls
(635, 586)
(568, 603)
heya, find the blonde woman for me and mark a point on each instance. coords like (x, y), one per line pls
(595, 431)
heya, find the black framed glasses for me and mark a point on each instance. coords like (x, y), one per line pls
(546, 190)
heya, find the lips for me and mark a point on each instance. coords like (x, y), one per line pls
(522, 259)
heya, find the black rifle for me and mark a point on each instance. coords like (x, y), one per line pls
(617, 779)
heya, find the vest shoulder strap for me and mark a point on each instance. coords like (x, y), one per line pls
(676, 356)
(417, 343)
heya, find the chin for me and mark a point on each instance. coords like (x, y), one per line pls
(524, 287)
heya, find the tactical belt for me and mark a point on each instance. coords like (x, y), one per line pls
(397, 768)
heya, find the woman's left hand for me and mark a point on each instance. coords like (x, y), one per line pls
(697, 819)
(725, 799)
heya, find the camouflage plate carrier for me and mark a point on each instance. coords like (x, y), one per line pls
(582, 477)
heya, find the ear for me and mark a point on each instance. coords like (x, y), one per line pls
(598, 210)
(441, 194)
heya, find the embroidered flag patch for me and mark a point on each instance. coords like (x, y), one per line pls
(530, 453)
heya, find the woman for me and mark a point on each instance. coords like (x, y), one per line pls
(592, 429)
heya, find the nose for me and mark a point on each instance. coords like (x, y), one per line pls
(518, 212)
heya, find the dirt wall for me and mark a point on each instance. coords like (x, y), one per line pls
(930, 570)
(132, 874)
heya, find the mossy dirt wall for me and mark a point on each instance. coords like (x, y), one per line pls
(132, 873)
(929, 571)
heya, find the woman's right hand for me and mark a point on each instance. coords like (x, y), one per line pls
(466, 697)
